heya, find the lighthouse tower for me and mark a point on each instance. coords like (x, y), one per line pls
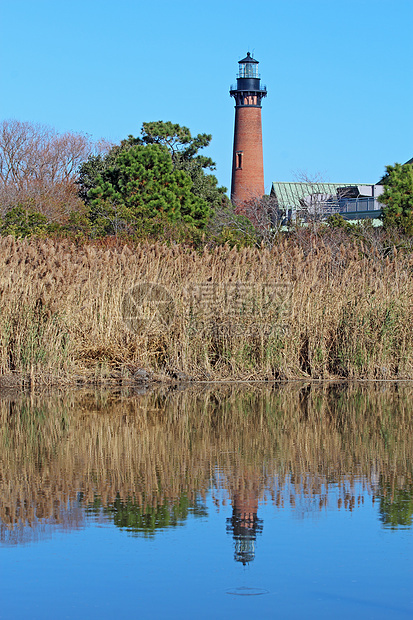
(247, 160)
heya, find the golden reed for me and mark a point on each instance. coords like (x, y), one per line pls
(324, 313)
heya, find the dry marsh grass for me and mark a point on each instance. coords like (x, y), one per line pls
(342, 313)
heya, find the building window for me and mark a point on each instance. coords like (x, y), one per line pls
(239, 160)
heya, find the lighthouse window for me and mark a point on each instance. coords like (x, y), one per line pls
(239, 160)
(248, 71)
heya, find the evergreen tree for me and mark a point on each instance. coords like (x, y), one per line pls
(397, 197)
(179, 142)
(21, 222)
(143, 185)
(183, 150)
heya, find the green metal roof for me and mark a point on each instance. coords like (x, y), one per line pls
(290, 195)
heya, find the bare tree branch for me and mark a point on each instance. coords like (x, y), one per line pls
(38, 167)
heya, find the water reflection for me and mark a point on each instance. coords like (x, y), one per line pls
(147, 462)
(244, 524)
(138, 517)
(65, 518)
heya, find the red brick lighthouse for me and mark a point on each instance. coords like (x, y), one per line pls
(247, 161)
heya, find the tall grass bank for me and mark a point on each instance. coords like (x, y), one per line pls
(113, 311)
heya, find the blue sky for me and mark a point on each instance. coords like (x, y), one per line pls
(339, 75)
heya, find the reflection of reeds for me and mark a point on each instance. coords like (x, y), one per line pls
(285, 443)
(69, 517)
(345, 313)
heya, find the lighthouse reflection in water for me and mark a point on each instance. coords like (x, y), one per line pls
(112, 502)
(244, 524)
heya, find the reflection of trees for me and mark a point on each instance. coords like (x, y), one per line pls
(151, 459)
(143, 518)
(396, 505)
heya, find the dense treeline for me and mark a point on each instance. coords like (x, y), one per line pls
(156, 186)
(151, 185)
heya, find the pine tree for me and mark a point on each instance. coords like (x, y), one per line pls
(143, 185)
(397, 197)
(183, 149)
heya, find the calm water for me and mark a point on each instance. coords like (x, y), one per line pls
(284, 502)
